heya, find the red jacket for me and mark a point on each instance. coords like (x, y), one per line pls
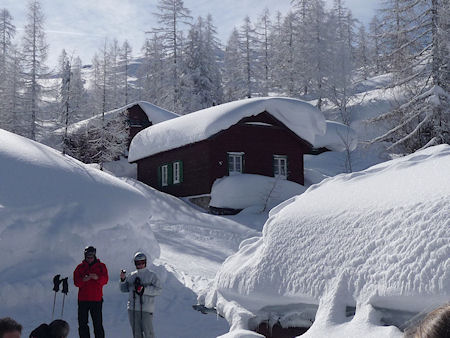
(92, 289)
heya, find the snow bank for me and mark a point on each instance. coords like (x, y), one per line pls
(247, 190)
(378, 237)
(301, 117)
(51, 207)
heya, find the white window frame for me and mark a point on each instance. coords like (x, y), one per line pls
(176, 172)
(165, 175)
(277, 159)
(235, 156)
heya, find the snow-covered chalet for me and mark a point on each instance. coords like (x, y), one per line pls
(139, 116)
(265, 136)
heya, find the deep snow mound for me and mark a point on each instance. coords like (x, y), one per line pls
(382, 235)
(248, 190)
(51, 207)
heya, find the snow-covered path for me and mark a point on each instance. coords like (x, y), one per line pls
(52, 206)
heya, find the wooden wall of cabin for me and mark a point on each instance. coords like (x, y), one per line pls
(196, 163)
(138, 120)
(259, 143)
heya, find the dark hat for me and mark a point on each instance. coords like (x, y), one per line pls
(90, 251)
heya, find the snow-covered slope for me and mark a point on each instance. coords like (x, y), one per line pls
(52, 206)
(379, 238)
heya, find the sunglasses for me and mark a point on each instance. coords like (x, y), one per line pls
(140, 263)
(90, 257)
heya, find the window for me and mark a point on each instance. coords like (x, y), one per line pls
(164, 175)
(235, 163)
(170, 173)
(280, 166)
(176, 172)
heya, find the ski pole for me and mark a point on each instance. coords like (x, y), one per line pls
(65, 291)
(56, 282)
(142, 329)
(134, 312)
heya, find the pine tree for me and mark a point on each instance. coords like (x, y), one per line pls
(125, 58)
(263, 28)
(276, 38)
(64, 94)
(421, 38)
(247, 43)
(152, 73)
(341, 80)
(77, 91)
(171, 14)
(7, 32)
(375, 53)
(289, 52)
(302, 10)
(201, 75)
(362, 52)
(317, 49)
(234, 77)
(14, 94)
(34, 54)
(112, 69)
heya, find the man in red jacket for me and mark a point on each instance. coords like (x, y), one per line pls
(89, 277)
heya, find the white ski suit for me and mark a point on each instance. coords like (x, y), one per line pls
(141, 308)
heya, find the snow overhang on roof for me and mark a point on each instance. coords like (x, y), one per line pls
(154, 113)
(301, 117)
(338, 137)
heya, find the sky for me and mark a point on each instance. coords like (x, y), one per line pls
(82, 26)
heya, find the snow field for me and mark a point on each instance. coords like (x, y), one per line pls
(52, 206)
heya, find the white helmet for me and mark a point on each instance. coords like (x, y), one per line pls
(140, 256)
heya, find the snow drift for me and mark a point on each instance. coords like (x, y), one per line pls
(375, 239)
(51, 207)
(246, 190)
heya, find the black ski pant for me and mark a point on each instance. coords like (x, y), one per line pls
(95, 308)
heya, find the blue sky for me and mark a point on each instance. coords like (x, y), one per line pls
(81, 26)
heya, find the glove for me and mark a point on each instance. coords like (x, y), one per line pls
(56, 282)
(140, 290)
(65, 286)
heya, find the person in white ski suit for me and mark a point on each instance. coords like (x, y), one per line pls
(141, 298)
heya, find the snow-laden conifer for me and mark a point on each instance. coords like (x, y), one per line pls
(34, 54)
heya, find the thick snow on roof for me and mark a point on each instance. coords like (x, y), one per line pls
(154, 113)
(379, 237)
(338, 137)
(301, 117)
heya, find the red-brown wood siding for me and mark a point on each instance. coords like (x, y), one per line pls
(258, 143)
(205, 161)
(196, 162)
(138, 120)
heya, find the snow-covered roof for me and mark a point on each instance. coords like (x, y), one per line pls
(378, 236)
(154, 113)
(302, 118)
